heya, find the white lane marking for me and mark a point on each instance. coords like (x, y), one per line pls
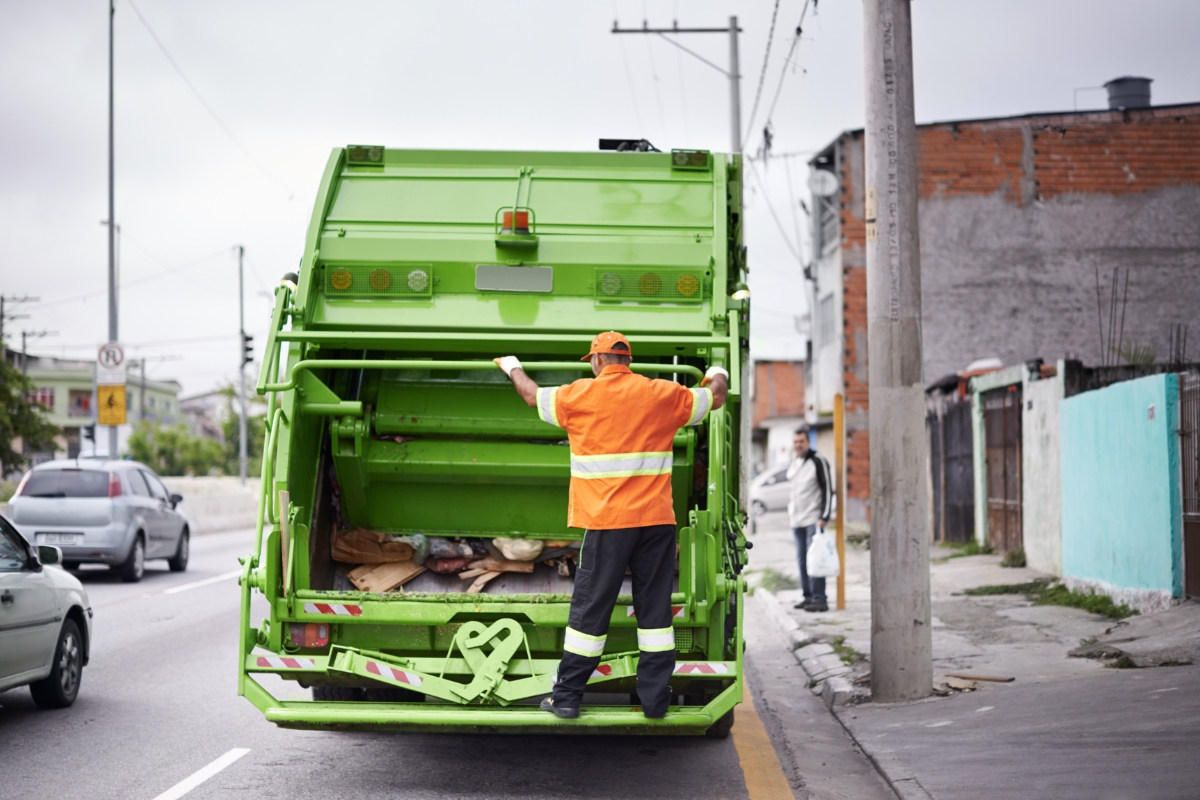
(984, 708)
(1172, 689)
(201, 775)
(941, 724)
(206, 582)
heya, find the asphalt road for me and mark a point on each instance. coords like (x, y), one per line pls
(158, 703)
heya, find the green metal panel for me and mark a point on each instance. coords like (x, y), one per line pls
(390, 415)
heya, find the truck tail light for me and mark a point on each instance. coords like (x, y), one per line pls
(114, 485)
(311, 634)
(506, 225)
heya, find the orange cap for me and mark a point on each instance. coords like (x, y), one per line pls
(604, 342)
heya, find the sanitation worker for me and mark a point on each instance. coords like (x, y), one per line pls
(621, 427)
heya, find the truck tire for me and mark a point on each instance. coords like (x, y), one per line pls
(135, 566)
(721, 728)
(179, 561)
(327, 693)
(60, 688)
(394, 694)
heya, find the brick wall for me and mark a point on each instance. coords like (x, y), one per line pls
(778, 390)
(1019, 217)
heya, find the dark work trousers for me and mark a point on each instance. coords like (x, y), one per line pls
(649, 554)
(814, 588)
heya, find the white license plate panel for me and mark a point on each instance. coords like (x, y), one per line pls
(60, 538)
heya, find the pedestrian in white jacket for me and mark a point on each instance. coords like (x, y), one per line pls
(810, 507)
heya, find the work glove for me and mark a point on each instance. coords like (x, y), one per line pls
(712, 373)
(508, 364)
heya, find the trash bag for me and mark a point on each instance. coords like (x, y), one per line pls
(447, 566)
(822, 557)
(440, 547)
(519, 549)
(419, 542)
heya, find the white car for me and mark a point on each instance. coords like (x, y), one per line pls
(769, 491)
(45, 622)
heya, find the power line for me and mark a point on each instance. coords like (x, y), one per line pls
(787, 60)
(762, 75)
(211, 111)
(771, 208)
(127, 284)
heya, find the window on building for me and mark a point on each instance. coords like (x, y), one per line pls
(826, 223)
(150, 402)
(79, 403)
(828, 320)
(43, 397)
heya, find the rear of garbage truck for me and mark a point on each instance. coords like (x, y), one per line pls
(412, 545)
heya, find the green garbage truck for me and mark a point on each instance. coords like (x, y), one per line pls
(412, 565)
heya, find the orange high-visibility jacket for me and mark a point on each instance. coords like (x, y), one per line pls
(621, 427)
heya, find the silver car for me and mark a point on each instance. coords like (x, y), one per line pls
(106, 512)
(45, 622)
(769, 491)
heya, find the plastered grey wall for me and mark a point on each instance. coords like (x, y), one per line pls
(1020, 283)
(1041, 489)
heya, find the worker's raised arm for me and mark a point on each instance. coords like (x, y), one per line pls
(717, 379)
(521, 382)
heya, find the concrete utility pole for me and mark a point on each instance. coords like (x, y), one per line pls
(241, 370)
(733, 73)
(5, 316)
(25, 337)
(112, 229)
(901, 644)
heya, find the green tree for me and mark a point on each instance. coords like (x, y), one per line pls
(256, 428)
(20, 419)
(174, 450)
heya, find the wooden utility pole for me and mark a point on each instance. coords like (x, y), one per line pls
(901, 644)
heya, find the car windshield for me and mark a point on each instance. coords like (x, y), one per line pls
(67, 483)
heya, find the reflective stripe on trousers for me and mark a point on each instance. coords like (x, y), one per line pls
(582, 644)
(656, 640)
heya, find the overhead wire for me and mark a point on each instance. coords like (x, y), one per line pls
(134, 282)
(762, 75)
(662, 119)
(207, 106)
(687, 128)
(786, 61)
(775, 216)
(637, 111)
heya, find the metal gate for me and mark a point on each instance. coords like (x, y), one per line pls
(1189, 452)
(958, 453)
(1002, 436)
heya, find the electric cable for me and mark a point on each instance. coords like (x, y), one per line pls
(786, 61)
(762, 75)
(207, 107)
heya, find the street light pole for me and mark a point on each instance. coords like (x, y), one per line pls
(241, 370)
(901, 641)
(112, 230)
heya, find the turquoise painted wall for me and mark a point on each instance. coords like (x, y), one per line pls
(1121, 507)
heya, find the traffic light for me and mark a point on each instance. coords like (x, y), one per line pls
(89, 432)
(247, 348)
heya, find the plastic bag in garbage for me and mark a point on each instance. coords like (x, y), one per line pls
(519, 549)
(440, 547)
(419, 542)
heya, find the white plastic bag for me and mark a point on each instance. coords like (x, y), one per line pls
(822, 557)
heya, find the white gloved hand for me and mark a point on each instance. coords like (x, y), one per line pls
(508, 364)
(712, 373)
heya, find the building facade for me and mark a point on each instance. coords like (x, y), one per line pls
(1069, 235)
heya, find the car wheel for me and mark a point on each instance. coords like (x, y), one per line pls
(178, 562)
(61, 686)
(758, 508)
(322, 693)
(135, 566)
(721, 728)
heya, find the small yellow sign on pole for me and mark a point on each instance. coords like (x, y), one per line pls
(111, 402)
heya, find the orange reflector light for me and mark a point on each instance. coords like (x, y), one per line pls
(341, 279)
(649, 283)
(687, 285)
(311, 634)
(380, 280)
(522, 222)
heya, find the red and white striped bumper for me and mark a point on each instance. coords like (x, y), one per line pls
(333, 609)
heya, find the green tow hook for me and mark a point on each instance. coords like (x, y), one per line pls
(489, 669)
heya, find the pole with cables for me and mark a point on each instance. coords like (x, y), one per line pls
(112, 230)
(241, 370)
(901, 641)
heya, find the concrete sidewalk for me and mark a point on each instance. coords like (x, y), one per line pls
(1064, 726)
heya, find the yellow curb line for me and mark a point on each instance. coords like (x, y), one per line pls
(760, 766)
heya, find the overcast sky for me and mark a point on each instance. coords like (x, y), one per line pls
(292, 80)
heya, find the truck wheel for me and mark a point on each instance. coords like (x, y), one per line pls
(326, 693)
(178, 562)
(721, 728)
(394, 694)
(135, 566)
(60, 688)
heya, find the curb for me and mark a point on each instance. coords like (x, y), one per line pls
(825, 669)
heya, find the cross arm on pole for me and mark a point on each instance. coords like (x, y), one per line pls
(695, 54)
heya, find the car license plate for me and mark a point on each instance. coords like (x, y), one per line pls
(59, 538)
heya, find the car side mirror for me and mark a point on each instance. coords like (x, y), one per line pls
(176, 499)
(49, 555)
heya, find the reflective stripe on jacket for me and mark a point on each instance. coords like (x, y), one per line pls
(621, 427)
